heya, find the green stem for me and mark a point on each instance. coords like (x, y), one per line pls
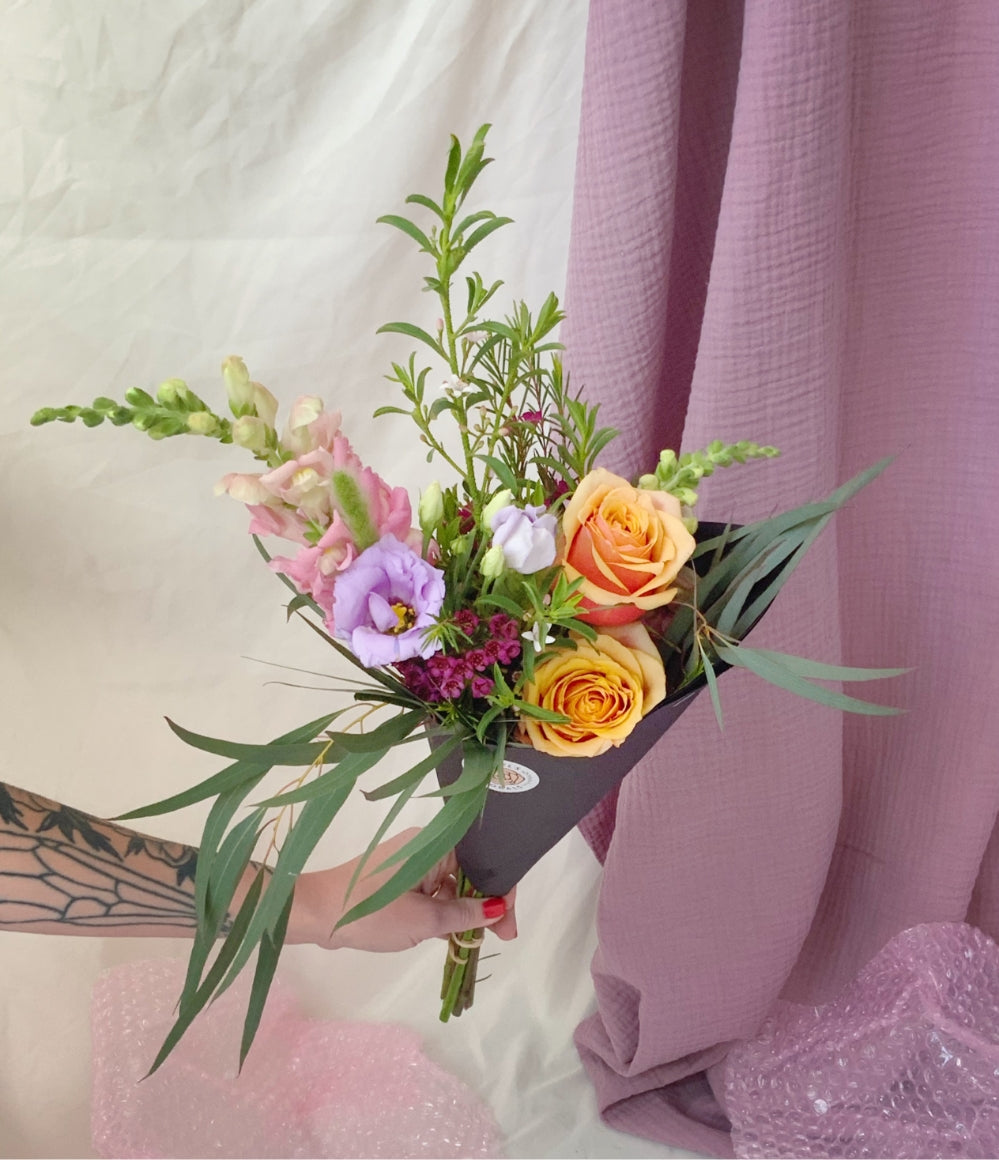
(457, 989)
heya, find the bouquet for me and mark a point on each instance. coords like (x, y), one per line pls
(537, 622)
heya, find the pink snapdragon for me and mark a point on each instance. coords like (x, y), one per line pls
(323, 498)
(363, 509)
(310, 426)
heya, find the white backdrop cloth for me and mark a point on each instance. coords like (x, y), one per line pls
(179, 181)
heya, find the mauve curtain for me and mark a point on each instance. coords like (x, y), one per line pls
(786, 230)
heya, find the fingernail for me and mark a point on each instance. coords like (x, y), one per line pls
(494, 908)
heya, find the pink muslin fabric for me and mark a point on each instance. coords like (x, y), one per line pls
(786, 229)
(308, 1088)
(903, 1063)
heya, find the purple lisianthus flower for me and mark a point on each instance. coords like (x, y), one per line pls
(526, 537)
(385, 601)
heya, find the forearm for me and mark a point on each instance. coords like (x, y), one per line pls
(65, 872)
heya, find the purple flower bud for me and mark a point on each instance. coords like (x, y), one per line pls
(466, 620)
(504, 627)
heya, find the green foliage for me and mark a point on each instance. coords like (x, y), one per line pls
(680, 475)
(741, 572)
(499, 369)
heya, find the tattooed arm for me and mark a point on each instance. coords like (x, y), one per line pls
(66, 872)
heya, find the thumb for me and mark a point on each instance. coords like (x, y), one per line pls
(449, 916)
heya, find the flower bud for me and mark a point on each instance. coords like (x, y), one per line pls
(137, 397)
(431, 508)
(202, 423)
(492, 562)
(648, 482)
(250, 432)
(499, 501)
(264, 404)
(238, 387)
(171, 392)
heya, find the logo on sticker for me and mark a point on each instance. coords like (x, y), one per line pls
(514, 778)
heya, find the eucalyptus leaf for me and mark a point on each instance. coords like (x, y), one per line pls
(777, 674)
(191, 1005)
(712, 682)
(347, 770)
(220, 868)
(477, 766)
(414, 775)
(272, 754)
(815, 670)
(384, 736)
(313, 821)
(267, 961)
(238, 774)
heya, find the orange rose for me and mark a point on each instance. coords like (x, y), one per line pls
(604, 688)
(627, 544)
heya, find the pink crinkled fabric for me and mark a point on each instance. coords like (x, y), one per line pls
(308, 1088)
(904, 1063)
(786, 229)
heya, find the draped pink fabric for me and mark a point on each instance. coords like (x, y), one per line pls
(786, 229)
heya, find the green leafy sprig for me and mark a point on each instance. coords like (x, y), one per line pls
(499, 370)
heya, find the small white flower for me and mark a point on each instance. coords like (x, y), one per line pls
(539, 635)
(454, 386)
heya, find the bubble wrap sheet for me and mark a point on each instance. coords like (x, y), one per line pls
(905, 1063)
(308, 1088)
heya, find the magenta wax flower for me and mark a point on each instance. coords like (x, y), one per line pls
(385, 601)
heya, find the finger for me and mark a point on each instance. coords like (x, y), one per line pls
(506, 927)
(446, 868)
(452, 915)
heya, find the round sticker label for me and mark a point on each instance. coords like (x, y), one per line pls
(514, 779)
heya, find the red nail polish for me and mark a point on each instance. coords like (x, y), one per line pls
(494, 907)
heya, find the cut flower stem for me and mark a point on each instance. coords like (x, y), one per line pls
(461, 966)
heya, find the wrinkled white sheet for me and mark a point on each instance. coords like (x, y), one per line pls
(181, 180)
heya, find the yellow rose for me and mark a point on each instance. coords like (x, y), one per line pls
(604, 688)
(627, 544)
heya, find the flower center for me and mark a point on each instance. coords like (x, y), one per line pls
(405, 615)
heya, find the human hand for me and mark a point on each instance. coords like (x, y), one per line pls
(429, 910)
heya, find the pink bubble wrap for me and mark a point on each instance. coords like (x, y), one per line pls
(905, 1063)
(308, 1088)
